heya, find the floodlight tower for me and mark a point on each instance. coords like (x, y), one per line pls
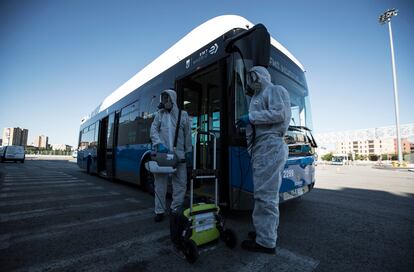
(386, 18)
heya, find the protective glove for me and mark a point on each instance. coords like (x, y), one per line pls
(243, 121)
(162, 148)
(189, 158)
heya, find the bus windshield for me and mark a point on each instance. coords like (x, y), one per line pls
(285, 73)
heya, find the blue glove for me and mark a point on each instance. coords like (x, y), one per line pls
(243, 121)
(162, 148)
(189, 158)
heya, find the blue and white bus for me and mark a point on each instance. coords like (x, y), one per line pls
(208, 70)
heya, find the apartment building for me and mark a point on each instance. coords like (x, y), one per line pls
(366, 147)
(15, 136)
(370, 141)
(41, 141)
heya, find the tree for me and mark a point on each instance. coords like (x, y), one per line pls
(373, 157)
(327, 157)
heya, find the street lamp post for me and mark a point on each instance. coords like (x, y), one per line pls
(386, 18)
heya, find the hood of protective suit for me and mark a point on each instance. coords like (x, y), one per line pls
(164, 126)
(173, 95)
(263, 74)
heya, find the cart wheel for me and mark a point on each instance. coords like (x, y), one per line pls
(229, 238)
(190, 251)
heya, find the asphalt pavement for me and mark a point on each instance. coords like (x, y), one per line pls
(55, 217)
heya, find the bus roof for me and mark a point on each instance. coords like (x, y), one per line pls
(190, 43)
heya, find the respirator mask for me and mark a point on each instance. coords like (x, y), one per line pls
(253, 85)
(165, 102)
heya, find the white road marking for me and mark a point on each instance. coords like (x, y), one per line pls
(11, 188)
(298, 259)
(11, 167)
(37, 179)
(6, 240)
(5, 217)
(43, 182)
(103, 253)
(265, 262)
(33, 173)
(45, 191)
(54, 198)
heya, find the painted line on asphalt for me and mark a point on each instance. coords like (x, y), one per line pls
(103, 253)
(264, 262)
(49, 186)
(296, 258)
(5, 217)
(11, 167)
(42, 174)
(46, 191)
(38, 178)
(10, 239)
(44, 182)
(52, 199)
(26, 172)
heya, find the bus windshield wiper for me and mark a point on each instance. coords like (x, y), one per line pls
(303, 128)
(298, 128)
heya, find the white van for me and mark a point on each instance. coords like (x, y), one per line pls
(12, 153)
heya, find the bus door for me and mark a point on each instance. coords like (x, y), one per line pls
(110, 140)
(200, 95)
(105, 147)
(102, 142)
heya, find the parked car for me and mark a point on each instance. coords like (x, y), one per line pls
(12, 153)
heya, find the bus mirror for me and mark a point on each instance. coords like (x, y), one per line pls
(253, 44)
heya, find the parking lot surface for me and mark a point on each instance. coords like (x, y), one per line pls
(55, 217)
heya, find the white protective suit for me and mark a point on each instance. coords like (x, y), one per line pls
(269, 116)
(163, 131)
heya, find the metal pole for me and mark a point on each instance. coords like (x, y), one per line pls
(397, 110)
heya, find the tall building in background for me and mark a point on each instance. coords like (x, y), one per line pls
(24, 136)
(15, 136)
(41, 141)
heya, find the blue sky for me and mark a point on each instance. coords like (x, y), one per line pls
(60, 59)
